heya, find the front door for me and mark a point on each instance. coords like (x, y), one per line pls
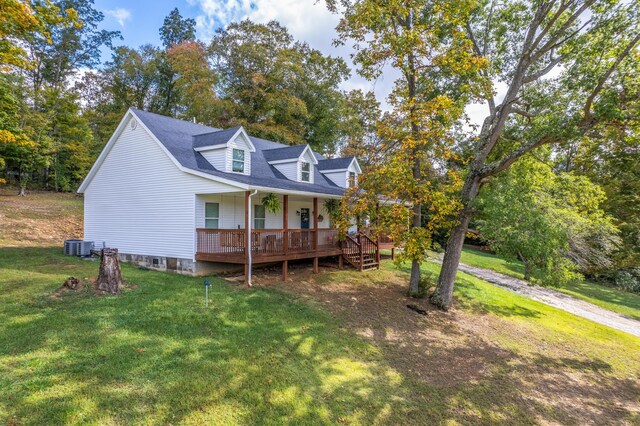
(304, 218)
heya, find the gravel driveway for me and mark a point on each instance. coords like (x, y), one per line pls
(557, 300)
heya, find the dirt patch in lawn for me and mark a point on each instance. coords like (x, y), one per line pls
(88, 287)
(459, 351)
(39, 219)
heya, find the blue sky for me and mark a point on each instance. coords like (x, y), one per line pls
(140, 20)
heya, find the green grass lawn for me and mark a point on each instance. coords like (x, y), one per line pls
(540, 322)
(483, 259)
(606, 297)
(155, 355)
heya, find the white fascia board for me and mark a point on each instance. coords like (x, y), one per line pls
(241, 130)
(358, 169)
(313, 157)
(292, 192)
(333, 170)
(288, 160)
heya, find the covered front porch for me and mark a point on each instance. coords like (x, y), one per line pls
(267, 245)
(236, 228)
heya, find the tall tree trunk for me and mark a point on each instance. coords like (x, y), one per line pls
(527, 270)
(414, 279)
(22, 182)
(444, 290)
(110, 276)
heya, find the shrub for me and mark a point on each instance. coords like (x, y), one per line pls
(427, 281)
(628, 279)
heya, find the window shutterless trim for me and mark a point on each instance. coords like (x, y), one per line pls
(237, 161)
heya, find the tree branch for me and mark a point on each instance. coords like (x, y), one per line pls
(586, 123)
(553, 40)
(494, 123)
(523, 112)
(536, 75)
(627, 50)
(563, 7)
(486, 29)
(506, 162)
(490, 100)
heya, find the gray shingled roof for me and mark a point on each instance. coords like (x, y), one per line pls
(217, 137)
(177, 136)
(286, 153)
(335, 163)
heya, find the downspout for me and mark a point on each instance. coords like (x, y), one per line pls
(255, 191)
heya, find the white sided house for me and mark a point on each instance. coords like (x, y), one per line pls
(175, 195)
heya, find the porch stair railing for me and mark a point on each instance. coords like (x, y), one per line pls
(361, 252)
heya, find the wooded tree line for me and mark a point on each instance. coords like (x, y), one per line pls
(60, 105)
(551, 176)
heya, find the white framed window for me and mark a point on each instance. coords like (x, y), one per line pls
(352, 179)
(211, 215)
(237, 164)
(306, 172)
(259, 217)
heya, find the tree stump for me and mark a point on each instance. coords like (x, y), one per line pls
(110, 276)
(72, 283)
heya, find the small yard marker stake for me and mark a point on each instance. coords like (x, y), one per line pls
(206, 293)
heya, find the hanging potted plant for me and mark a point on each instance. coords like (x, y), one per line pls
(332, 207)
(271, 203)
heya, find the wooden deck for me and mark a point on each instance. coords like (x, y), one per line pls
(267, 245)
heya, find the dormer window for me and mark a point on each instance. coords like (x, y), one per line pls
(238, 161)
(341, 171)
(294, 162)
(306, 172)
(352, 179)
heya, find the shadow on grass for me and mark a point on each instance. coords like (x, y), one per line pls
(463, 376)
(156, 355)
(575, 364)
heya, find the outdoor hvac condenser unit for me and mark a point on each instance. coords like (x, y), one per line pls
(78, 247)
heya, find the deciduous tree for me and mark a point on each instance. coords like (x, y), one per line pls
(425, 42)
(552, 222)
(559, 61)
(279, 89)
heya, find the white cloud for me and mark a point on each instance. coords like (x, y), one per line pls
(121, 15)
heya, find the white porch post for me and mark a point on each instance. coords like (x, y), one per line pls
(248, 227)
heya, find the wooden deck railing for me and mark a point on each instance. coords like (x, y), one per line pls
(368, 245)
(230, 242)
(220, 243)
